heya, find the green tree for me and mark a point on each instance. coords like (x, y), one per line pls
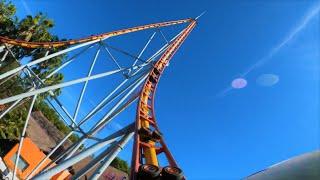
(121, 165)
(31, 28)
(7, 17)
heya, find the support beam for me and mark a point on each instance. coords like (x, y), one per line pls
(4, 56)
(97, 160)
(57, 86)
(48, 155)
(108, 100)
(164, 37)
(2, 48)
(87, 152)
(144, 48)
(111, 56)
(41, 82)
(94, 162)
(85, 85)
(6, 74)
(107, 161)
(23, 135)
(107, 118)
(71, 59)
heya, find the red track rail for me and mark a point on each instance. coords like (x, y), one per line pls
(145, 110)
(27, 44)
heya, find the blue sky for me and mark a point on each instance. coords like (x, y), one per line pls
(214, 131)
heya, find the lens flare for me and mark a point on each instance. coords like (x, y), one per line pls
(239, 83)
(267, 80)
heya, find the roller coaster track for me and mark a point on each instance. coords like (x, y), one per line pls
(145, 111)
(148, 140)
(33, 45)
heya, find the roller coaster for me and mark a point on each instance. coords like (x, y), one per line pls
(140, 84)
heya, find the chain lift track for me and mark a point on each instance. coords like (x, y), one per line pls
(148, 140)
(144, 139)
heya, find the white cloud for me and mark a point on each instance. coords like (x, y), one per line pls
(294, 31)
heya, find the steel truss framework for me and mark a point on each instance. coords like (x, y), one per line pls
(139, 85)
